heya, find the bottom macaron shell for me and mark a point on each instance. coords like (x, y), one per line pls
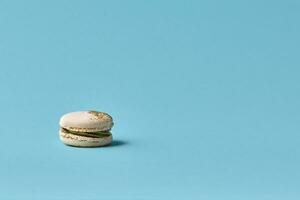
(83, 141)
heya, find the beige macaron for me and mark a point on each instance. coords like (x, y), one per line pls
(86, 129)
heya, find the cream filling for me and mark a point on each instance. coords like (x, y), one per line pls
(99, 134)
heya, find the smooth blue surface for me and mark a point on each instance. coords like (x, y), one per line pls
(204, 94)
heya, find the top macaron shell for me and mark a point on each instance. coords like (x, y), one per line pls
(86, 121)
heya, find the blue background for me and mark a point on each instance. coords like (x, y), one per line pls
(204, 94)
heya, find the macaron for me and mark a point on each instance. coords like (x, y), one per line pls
(86, 129)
